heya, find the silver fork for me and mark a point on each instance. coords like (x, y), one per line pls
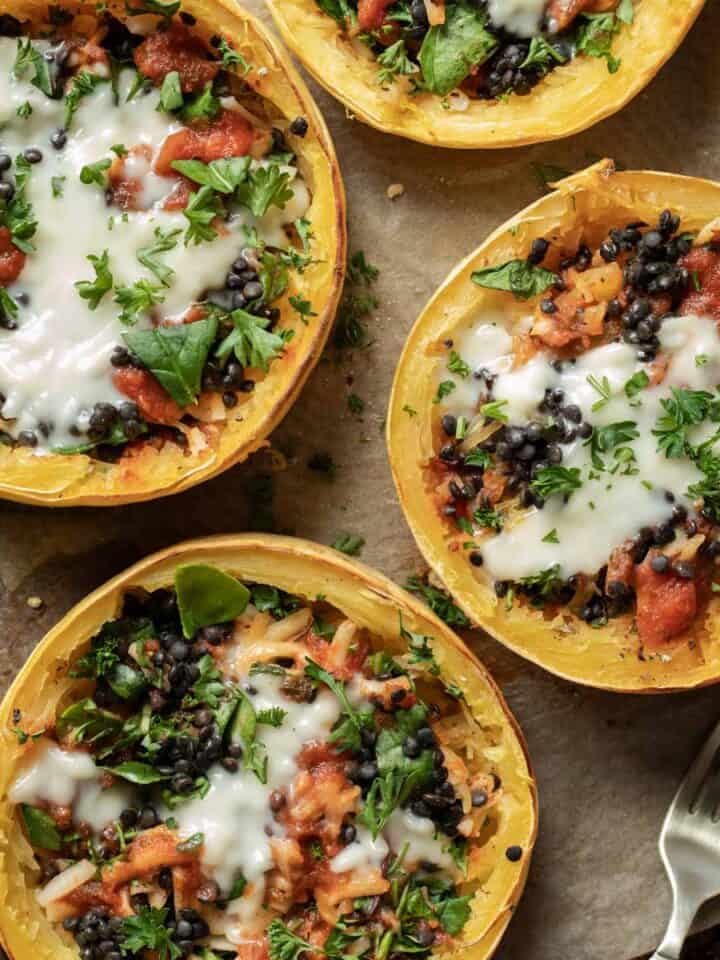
(690, 845)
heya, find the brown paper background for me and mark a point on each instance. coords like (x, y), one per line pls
(607, 765)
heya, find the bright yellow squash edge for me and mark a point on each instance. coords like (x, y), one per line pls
(606, 657)
(77, 480)
(570, 99)
(305, 569)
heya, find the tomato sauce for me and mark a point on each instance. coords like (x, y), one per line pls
(175, 49)
(152, 400)
(666, 604)
(230, 135)
(12, 260)
(371, 13)
(704, 267)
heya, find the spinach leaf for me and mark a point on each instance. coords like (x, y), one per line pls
(175, 355)
(207, 595)
(41, 829)
(518, 277)
(451, 49)
(137, 772)
(453, 914)
(88, 723)
(126, 682)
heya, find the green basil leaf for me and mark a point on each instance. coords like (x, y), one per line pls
(41, 829)
(518, 277)
(137, 772)
(207, 595)
(175, 355)
(450, 50)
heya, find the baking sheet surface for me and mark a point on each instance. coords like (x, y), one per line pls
(607, 765)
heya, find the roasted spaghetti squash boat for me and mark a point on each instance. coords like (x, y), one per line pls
(483, 73)
(561, 468)
(252, 747)
(172, 244)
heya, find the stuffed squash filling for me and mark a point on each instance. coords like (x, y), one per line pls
(479, 49)
(578, 458)
(246, 773)
(150, 214)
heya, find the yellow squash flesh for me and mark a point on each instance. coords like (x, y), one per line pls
(584, 206)
(304, 569)
(570, 99)
(77, 480)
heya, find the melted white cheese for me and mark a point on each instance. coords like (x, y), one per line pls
(419, 838)
(522, 18)
(362, 854)
(56, 365)
(608, 508)
(70, 778)
(415, 838)
(235, 815)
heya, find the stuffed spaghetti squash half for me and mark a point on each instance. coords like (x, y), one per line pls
(252, 747)
(561, 469)
(172, 245)
(483, 73)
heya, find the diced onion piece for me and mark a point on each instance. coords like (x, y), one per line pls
(65, 882)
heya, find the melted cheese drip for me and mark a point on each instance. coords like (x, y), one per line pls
(238, 805)
(56, 365)
(70, 778)
(404, 831)
(608, 509)
(523, 18)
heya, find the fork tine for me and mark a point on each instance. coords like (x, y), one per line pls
(689, 790)
(708, 794)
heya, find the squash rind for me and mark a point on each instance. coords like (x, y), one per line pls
(78, 480)
(607, 657)
(299, 567)
(572, 98)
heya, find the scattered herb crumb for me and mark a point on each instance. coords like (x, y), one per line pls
(350, 544)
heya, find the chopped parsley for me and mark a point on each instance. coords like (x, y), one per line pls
(83, 84)
(95, 173)
(348, 543)
(439, 601)
(94, 290)
(445, 388)
(149, 930)
(682, 409)
(601, 387)
(137, 299)
(457, 365)
(347, 733)
(250, 340)
(637, 382)
(148, 256)
(494, 410)
(486, 517)
(556, 480)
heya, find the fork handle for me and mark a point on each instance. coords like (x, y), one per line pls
(683, 914)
